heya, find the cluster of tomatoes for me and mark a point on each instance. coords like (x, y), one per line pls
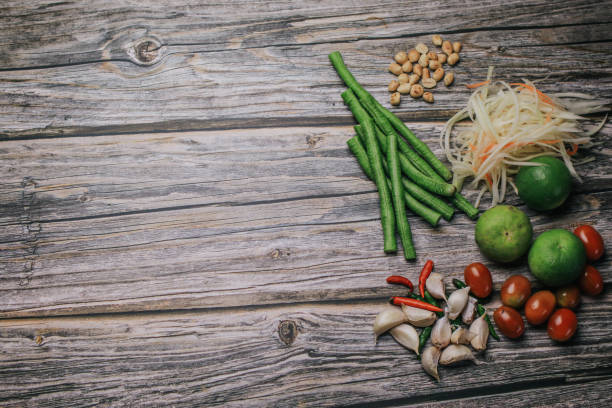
(540, 306)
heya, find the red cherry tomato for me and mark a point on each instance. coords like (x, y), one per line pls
(592, 240)
(590, 281)
(539, 307)
(562, 325)
(515, 291)
(478, 278)
(568, 296)
(509, 322)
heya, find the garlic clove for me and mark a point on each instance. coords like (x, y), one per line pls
(418, 317)
(467, 316)
(441, 332)
(461, 336)
(388, 318)
(480, 331)
(457, 301)
(407, 336)
(435, 285)
(429, 360)
(455, 353)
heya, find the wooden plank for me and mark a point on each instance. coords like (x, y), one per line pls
(220, 219)
(326, 357)
(212, 69)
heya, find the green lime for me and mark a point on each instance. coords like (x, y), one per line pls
(503, 233)
(557, 257)
(544, 187)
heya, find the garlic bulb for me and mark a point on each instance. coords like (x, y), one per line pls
(455, 353)
(441, 332)
(407, 336)
(457, 301)
(468, 312)
(388, 318)
(435, 286)
(418, 317)
(429, 359)
(461, 336)
(480, 331)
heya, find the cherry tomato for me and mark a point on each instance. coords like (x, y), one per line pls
(478, 278)
(515, 291)
(562, 325)
(592, 240)
(568, 296)
(509, 322)
(539, 307)
(590, 281)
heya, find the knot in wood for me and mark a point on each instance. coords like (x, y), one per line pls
(146, 51)
(287, 331)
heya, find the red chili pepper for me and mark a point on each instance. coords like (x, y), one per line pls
(424, 275)
(400, 280)
(396, 300)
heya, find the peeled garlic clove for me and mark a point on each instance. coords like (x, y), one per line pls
(429, 359)
(418, 317)
(461, 336)
(407, 336)
(441, 332)
(435, 286)
(480, 330)
(455, 353)
(388, 318)
(468, 312)
(457, 301)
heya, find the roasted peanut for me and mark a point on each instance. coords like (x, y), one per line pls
(423, 60)
(416, 91)
(429, 83)
(401, 57)
(413, 55)
(457, 47)
(432, 56)
(442, 58)
(414, 78)
(433, 65)
(449, 78)
(436, 39)
(403, 78)
(447, 47)
(395, 68)
(393, 85)
(422, 48)
(453, 58)
(418, 69)
(395, 98)
(407, 67)
(426, 73)
(428, 97)
(404, 88)
(438, 74)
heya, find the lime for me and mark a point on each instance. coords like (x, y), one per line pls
(503, 233)
(557, 257)
(544, 187)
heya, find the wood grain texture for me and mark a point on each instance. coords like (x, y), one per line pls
(206, 67)
(235, 358)
(220, 219)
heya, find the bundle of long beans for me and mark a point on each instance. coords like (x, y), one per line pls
(385, 156)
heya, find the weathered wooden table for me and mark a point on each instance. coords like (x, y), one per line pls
(182, 223)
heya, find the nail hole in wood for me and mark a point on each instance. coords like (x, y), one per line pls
(287, 331)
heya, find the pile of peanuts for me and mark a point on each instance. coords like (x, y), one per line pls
(421, 64)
